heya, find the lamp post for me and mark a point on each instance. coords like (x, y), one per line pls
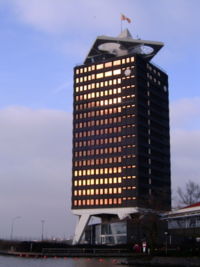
(42, 235)
(166, 236)
(12, 226)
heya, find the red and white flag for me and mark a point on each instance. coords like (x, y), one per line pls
(123, 17)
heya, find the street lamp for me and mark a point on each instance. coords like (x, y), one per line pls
(166, 236)
(12, 226)
(42, 236)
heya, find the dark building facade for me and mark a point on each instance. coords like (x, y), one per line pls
(121, 143)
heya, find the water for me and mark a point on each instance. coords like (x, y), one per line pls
(58, 262)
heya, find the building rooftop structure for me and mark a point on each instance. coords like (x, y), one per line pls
(106, 47)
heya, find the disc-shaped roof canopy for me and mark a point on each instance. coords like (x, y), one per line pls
(106, 47)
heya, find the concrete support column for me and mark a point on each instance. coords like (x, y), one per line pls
(80, 227)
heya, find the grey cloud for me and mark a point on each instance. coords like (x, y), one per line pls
(185, 145)
(35, 171)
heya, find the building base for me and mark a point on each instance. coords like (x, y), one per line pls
(86, 214)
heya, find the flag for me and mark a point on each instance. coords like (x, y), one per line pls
(123, 17)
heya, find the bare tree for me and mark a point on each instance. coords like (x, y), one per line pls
(190, 195)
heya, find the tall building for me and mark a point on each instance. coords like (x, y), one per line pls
(121, 142)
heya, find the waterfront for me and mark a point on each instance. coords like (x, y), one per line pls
(57, 262)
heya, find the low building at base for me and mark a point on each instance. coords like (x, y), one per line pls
(146, 228)
(183, 224)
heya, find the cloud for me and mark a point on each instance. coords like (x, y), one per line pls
(35, 171)
(185, 113)
(185, 145)
(57, 16)
(62, 87)
(62, 15)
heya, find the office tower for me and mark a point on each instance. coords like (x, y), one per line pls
(121, 144)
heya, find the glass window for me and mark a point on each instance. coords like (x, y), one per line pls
(99, 66)
(99, 75)
(108, 73)
(116, 62)
(108, 64)
(117, 72)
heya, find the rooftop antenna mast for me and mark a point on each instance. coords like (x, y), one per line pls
(123, 17)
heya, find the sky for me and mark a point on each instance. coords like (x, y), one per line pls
(40, 43)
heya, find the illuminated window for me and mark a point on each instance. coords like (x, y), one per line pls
(119, 80)
(97, 191)
(106, 201)
(108, 73)
(101, 202)
(110, 201)
(108, 64)
(119, 169)
(79, 203)
(110, 190)
(96, 201)
(88, 192)
(117, 72)
(106, 191)
(116, 62)
(119, 99)
(91, 191)
(99, 75)
(75, 192)
(75, 202)
(99, 66)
